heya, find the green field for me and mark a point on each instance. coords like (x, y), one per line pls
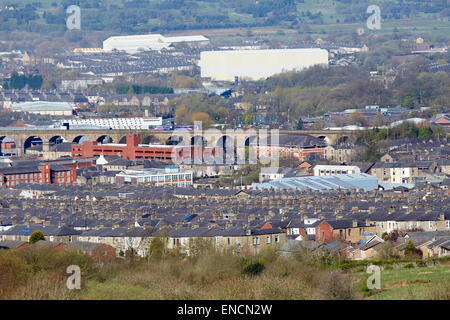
(415, 283)
(163, 16)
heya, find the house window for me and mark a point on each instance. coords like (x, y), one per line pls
(51, 238)
(430, 224)
(447, 224)
(277, 239)
(256, 241)
(268, 240)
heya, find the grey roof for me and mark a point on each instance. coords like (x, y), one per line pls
(332, 182)
(11, 244)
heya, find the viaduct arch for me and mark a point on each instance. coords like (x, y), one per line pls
(210, 138)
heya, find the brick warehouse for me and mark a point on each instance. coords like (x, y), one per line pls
(49, 172)
(134, 150)
(44, 173)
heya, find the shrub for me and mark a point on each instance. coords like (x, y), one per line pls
(365, 291)
(421, 263)
(335, 286)
(408, 266)
(254, 268)
(157, 248)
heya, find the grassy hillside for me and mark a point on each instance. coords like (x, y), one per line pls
(415, 283)
(136, 16)
(39, 273)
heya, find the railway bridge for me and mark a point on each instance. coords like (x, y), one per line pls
(26, 137)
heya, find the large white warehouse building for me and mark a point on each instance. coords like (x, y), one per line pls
(118, 123)
(257, 64)
(146, 42)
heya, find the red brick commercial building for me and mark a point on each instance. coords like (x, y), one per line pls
(52, 172)
(300, 147)
(8, 148)
(44, 173)
(133, 150)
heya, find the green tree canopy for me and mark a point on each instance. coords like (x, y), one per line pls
(36, 236)
(300, 124)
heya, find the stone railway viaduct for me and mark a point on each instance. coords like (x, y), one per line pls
(210, 137)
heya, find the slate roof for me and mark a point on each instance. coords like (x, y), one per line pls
(11, 244)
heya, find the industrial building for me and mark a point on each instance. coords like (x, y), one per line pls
(40, 173)
(171, 176)
(258, 64)
(299, 146)
(148, 42)
(325, 170)
(142, 123)
(332, 182)
(44, 107)
(134, 150)
(7, 147)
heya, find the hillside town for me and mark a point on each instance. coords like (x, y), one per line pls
(224, 150)
(103, 194)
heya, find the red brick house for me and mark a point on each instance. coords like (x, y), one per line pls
(99, 251)
(343, 230)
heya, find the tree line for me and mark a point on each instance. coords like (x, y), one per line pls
(138, 89)
(20, 81)
(318, 90)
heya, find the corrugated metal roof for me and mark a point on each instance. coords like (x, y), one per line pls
(332, 182)
(42, 106)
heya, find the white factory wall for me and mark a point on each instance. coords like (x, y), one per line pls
(257, 64)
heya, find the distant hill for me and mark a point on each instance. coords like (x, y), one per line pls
(139, 16)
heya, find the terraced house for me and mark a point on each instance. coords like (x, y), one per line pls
(129, 217)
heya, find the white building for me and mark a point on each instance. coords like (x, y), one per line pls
(170, 176)
(79, 84)
(43, 107)
(272, 173)
(148, 42)
(142, 123)
(258, 64)
(325, 170)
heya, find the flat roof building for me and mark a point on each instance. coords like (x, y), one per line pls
(325, 170)
(157, 177)
(333, 182)
(142, 123)
(147, 42)
(44, 107)
(134, 150)
(258, 64)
